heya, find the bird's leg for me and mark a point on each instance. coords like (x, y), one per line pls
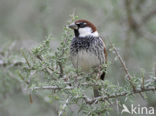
(98, 72)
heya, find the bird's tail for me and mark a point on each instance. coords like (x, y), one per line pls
(102, 77)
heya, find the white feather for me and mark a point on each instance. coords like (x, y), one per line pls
(87, 31)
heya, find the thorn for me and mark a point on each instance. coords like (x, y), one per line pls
(30, 98)
(142, 96)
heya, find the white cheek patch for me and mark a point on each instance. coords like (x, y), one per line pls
(87, 31)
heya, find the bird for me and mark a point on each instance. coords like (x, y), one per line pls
(87, 49)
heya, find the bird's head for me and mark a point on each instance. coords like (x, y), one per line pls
(84, 28)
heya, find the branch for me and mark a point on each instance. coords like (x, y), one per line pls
(155, 70)
(61, 69)
(26, 59)
(11, 64)
(90, 101)
(131, 21)
(101, 98)
(148, 36)
(52, 88)
(64, 88)
(63, 107)
(123, 65)
(48, 69)
(136, 26)
(149, 16)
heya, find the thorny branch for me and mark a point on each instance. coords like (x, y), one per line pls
(11, 64)
(52, 88)
(131, 21)
(148, 16)
(101, 98)
(155, 70)
(63, 107)
(123, 65)
(136, 26)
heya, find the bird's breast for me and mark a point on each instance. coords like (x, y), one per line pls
(87, 52)
(85, 60)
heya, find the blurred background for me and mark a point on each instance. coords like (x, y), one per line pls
(130, 24)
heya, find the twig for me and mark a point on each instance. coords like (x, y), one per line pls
(101, 98)
(131, 21)
(22, 78)
(61, 69)
(27, 82)
(123, 65)
(143, 82)
(155, 69)
(52, 88)
(147, 35)
(136, 26)
(30, 98)
(26, 59)
(148, 16)
(47, 69)
(122, 62)
(11, 64)
(63, 107)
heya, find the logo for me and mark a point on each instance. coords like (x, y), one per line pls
(137, 109)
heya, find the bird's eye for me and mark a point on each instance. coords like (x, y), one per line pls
(81, 24)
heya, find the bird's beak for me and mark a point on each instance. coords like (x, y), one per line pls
(73, 26)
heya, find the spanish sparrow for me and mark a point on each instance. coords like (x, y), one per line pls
(87, 49)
